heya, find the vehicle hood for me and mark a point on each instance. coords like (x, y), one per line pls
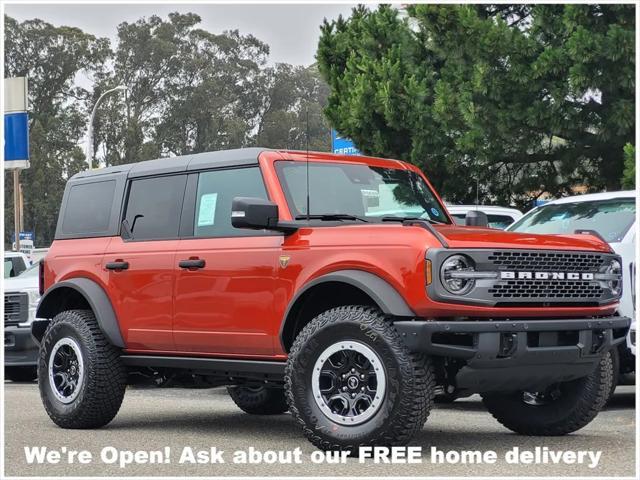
(18, 284)
(475, 237)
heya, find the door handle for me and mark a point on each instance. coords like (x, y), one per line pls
(192, 263)
(117, 265)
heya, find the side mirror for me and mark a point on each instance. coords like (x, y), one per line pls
(253, 213)
(476, 218)
(257, 214)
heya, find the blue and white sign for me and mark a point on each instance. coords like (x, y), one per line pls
(342, 145)
(29, 236)
(16, 137)
(16, 123)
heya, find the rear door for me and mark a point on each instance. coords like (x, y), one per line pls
(224, 301)
(141, 270)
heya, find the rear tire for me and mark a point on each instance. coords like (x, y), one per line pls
(259, 400)
(350, 381)
(21, 374)
(80, 374)
(562, 409)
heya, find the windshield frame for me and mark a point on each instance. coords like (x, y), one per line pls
(620, 238)
(415, 174)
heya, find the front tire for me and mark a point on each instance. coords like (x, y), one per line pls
(259, 400)
(350, 381)
(561, 409)
(80, 374)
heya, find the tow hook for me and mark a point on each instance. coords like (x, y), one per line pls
(597, 341)
(508, 345)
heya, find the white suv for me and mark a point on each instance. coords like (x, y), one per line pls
(611, 215)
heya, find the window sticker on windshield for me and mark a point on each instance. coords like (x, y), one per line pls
(207, 209)
(435, 211)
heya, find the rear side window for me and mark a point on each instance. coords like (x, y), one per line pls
(154, 205)
(88, 209)
(216, 190)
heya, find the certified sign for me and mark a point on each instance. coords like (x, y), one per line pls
(343, 145)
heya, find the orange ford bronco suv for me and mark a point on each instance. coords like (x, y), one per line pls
(335, 287)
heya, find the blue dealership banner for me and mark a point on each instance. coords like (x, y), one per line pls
(342, 145)
(16, 137)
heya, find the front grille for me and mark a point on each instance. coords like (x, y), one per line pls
(547, 261)
(16, 308)
(553, 289)
(550, 291)
(529, 278)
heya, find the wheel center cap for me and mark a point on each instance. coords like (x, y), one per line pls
(353, 382)
(73, 370)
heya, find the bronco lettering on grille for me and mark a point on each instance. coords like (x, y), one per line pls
(506, 275)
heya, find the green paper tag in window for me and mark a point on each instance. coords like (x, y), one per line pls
(207, 209)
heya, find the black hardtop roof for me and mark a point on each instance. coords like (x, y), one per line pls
(196, 161)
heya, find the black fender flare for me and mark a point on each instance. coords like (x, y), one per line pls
(381, 292)
(97, 299)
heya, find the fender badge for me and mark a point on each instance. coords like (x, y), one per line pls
(284, 260)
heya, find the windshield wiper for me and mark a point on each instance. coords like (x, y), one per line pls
(332, 216)
(389, 218)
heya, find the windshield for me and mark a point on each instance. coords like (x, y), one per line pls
(359, 190)
(610, 218)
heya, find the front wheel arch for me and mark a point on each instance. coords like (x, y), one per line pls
(358, 286)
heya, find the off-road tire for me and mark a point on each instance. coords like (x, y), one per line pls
(410, 384)
(259, 400)
(615, 379)
(105, 377)
(579, 403)
(21, 374)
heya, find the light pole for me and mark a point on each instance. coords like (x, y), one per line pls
(93, 114)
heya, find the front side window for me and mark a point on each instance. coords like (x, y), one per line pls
(610, 218)
(215, 193)
(154, 205)
(372, 193)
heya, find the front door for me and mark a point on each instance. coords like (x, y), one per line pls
(142, 268)
(225, 277)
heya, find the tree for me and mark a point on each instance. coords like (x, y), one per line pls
(524, 98)
(629, 176)
(51, 57)
(193, 91)
(293, 100)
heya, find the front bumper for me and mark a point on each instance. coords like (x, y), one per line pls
(19, 347)
(509, 355)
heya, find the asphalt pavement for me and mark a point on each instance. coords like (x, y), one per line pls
(165, 421)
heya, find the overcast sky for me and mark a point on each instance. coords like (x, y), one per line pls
(291, 31)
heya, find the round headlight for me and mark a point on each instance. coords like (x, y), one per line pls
(614, 268)
(452, 274)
